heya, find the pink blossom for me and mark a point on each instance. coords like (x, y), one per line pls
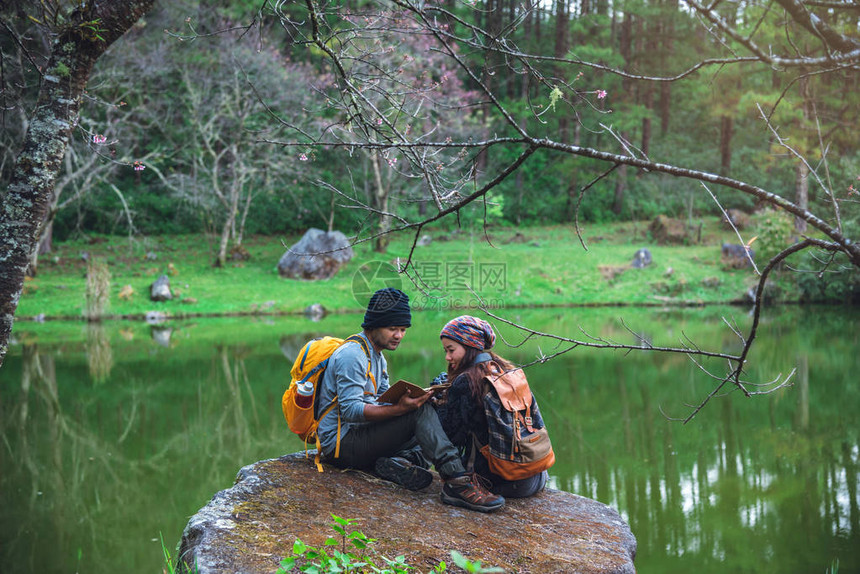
(99, 139)
(138, 166)
(379, 121)
(601, 94)
(303, 157)
(392, 161)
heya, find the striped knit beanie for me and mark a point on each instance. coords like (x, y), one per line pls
(470, 331)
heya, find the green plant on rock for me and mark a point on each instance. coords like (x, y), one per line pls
(470, 566)
(344, 560)
(317, 560)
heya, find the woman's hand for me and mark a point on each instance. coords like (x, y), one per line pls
(439, 398)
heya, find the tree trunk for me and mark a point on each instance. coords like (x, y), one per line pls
(240, 236)
(648, 103)
(726, 132)
(620, 185)
(230, 222)
(221, 258)
(561, 47)
(381, 203)
(802, 195)
(493, 19)
(572, 187)
(73, 54)
(45, 245)
(665, 106)
(802, 172)
(668, 40)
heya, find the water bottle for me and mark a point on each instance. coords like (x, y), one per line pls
(305, 395)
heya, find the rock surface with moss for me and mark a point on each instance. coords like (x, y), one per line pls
(250, 527)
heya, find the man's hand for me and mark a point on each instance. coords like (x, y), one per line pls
(410, 404)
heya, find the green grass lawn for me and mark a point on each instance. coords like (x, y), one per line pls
(541, 266)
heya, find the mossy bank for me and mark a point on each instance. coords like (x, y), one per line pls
(502, 267)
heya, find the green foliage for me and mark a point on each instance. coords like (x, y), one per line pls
(470, 566)
(542, 266)
(774, 230)
(824, 280)
(317, 560)
(554, 96)
(171, 566)
(313, 560)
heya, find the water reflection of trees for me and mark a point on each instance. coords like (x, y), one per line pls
(102, 469)
(752, 481)
(99, 352)
(119, 461)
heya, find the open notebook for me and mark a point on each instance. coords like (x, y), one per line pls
(401, 387)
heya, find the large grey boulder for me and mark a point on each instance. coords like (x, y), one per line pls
(160, 289)
(317, 255)
(736, 256)
(642, 258)
(251, 527)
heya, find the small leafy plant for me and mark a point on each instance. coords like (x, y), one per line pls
(352, 556)
(472, 567)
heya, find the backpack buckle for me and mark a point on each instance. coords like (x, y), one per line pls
(528, 421)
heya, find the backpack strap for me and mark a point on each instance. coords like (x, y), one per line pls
(473, 452)
(364, 347)
(511, 386)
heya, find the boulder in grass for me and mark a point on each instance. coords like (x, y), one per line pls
(735, 219)
(734, 256)
(668, 231)
(642, 258)
(315, 312)
(160, 289)
(318, 255)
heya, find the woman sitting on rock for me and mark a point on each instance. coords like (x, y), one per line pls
(467, 342)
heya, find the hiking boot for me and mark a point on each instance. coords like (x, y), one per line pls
(401, 471)
(467, 492)
(415, 456)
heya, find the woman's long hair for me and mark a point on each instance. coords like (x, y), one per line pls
(475, 372)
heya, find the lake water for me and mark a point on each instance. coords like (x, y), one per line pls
(114, 435)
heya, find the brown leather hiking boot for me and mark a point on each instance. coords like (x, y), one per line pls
(467, 492)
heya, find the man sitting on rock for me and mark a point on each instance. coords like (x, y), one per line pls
(380, 437)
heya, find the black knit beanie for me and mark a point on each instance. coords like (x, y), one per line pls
(388, 307)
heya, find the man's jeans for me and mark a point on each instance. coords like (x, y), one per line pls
(365, 443)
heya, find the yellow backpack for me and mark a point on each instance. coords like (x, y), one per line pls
(309, 366)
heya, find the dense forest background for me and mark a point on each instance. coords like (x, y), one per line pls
(173, 130)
